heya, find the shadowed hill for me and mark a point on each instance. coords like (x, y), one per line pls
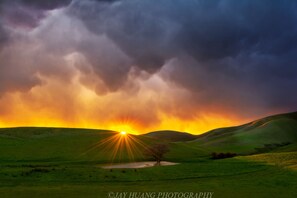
(171, 136)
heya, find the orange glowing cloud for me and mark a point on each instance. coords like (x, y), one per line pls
(154, 105)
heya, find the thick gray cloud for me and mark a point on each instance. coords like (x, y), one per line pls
(239, 55)
(28, 13)
(16, 73)
(23, 56)
(203, 29)
(44, 4)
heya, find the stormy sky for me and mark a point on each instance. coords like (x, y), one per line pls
(142, 65)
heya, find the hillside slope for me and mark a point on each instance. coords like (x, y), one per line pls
(278, 129)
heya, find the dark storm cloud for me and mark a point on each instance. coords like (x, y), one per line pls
(203, 29)
(235, 52)
(239, 55)
(46, 4)
(40, 4)
(22, 57)
(28, 13)
(16, 74)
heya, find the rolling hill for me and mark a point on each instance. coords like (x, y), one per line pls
(277, 132)
(34, 144)
(274, 130)
(171, 136)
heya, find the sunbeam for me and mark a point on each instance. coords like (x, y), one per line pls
(120, 146)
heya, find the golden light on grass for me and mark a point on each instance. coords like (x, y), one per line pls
(119, 146)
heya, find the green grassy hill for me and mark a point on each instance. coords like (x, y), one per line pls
(273, 130)
(59, 145)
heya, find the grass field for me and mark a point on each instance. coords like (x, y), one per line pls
(57, 162)
(239, 177)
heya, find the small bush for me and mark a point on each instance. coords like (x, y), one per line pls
(215, 155)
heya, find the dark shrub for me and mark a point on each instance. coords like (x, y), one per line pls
(215, 155)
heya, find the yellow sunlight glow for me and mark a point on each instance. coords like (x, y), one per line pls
(120, 146)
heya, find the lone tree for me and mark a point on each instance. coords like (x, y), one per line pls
(157, 152)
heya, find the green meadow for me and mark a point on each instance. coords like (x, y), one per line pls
(62, 162)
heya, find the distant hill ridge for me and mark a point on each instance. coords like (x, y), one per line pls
(171, 136)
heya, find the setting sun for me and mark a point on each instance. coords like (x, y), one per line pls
(123, 133)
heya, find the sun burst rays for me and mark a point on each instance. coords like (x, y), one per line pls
(119, 146)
